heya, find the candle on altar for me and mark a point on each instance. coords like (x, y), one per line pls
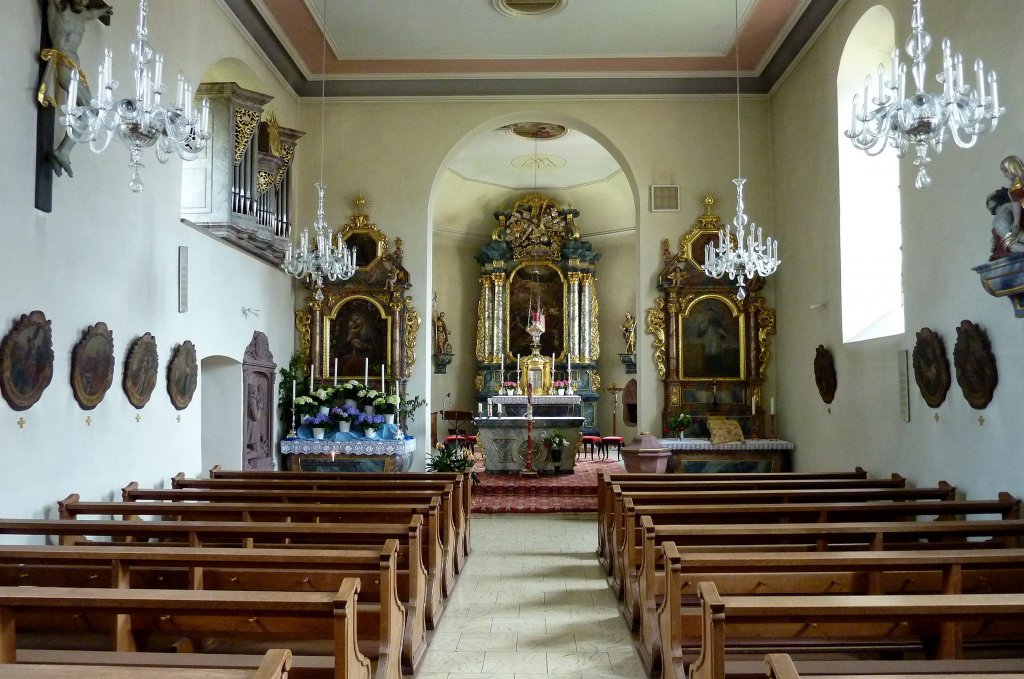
(366, 373)
(335, 371)
(771, 406)
(293, 395)
(480, 407)
(311, 366)
(519, 363)
(503, 367)
(753, 406)
(568, 366)
(382, 389)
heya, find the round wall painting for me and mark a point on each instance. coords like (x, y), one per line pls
(140, 370)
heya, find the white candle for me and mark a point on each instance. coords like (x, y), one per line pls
(335, 371)
(382, 389)
(753, 406)
(519, 362)
(366, 373)
(293, 395)
(568, 366)
(771, 406)
(311, 367)
(480, 407)
(503, 366)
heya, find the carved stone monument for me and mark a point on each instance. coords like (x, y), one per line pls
(258, 370)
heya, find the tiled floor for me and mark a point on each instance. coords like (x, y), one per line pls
(532, 603)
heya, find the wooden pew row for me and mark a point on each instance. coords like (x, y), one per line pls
(942, 492)
(420, 610)
(274, 664)
(463, 482)
(1005, 507)
(381, 631)
(607, 479)
(445, 493)
(940, 623)
(123, 614)
(433, 553)
(781, 666)
(809, 574)
(644, 592)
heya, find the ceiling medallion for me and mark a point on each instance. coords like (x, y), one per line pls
(537, 131)
(529, 9)
(538, 162)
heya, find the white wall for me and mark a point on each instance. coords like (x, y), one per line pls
(105, 254)
(945, 233)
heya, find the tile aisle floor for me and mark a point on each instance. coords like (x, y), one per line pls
(532, 603)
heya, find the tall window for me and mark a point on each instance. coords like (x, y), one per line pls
(869, 192)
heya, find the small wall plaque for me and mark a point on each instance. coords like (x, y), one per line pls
(664, 198)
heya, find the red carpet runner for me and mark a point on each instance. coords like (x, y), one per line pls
(512, 493)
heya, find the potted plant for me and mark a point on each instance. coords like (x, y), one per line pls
(510, 388)
(451, 458)
(555, 442)
(344, 416)
(318, 423)
(560, 386)
(324, 397)
(388, 406)
(306, 406)
(366, 397)
(350, 391)
(370, 424)
(678, 424)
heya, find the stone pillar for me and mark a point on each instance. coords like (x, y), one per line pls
(573, 322)
(586, 311)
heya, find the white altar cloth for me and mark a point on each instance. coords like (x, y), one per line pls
(705, 444)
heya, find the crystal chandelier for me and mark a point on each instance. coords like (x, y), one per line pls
(140, 121)
(741, 255)
(894, 120)
(327, 260)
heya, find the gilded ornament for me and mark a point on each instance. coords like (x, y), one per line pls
(264, 180)
(247, 121)
(656, 327)
(595, 380)
(478, 382)
(303, 323)
(595, 328)
(481, 330)
(274, 135)
(766, 327)
(412, 327)
(535, 228)
(288, 154)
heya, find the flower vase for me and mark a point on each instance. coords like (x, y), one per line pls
(325, 410)
(561, 391)
(682, 435)
(318, 432)
(370, 432)
(389, 418)
(351, 402)
(369, 410)
(344, 426)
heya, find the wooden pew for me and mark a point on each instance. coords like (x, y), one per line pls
(949, 571)
(433, 551)
(1005, 507)
(645, 591)
(132, 493)
(381, 631)
(781, 666)
(463, 482)
(412, 575)
(941, 622)
(941, 492)
(121, 614)
(274, 664)
(607, 479)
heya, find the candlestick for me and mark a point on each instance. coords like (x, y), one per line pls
(335, 371)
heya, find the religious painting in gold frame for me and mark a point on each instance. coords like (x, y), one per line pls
(356, 338)
(712, 340)
(532, 283)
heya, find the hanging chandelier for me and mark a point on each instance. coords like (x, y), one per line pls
(892, 119)
(140, 121)
(742, 254)
(334, 262)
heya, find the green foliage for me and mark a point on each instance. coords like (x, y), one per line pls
(679, 422)
(555, 440)
(450, 458)
(298, 372)
(407, 408)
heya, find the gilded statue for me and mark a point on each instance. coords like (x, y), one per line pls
(629, 332)
(442, 343)
(1005, 206)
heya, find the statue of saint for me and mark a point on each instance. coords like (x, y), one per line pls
(442, 343)
(1005, 206)
(66, 21)
(629, 333)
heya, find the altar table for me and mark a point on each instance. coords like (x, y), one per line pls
(753, 455)
(503, 440)
(348, 455)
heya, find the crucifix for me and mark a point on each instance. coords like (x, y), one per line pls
(614, 390)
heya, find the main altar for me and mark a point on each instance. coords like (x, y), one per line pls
(516, 422)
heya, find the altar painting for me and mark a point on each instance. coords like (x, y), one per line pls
(712, 341)
(357, 331)
(534, 283)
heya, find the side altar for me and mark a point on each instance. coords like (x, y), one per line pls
(348, 452)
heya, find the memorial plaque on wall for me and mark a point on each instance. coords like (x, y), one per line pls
(26, 360)
(140, 369)
(92, 366)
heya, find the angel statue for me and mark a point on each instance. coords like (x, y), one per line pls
(629, 333)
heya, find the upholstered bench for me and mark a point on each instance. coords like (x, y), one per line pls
(590, 444)
(608, 441)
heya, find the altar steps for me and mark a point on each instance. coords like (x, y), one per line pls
(543, 493)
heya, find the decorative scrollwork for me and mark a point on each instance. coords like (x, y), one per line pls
(247, 121)
(303, 323)
(264, 180)
(765, 327)
(536, 228)
(656, 327)
(412, 327)
(595, 328)
(288, 154)
(481, 329)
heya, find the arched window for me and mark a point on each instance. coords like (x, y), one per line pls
(869, 197)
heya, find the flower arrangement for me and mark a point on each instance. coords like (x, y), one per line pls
(350, 389)
(318, 421)
(388, 404)
(560, 384)
(509, 385)
(554, 440)
(678, 423)
(366, 397)
(450, 458)
(324, 396)
(369, 421)
(306, 405)
(346, 413)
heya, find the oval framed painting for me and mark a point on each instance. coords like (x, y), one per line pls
(975, 365)
(182, 375)
(140, 369)
(931, 367)
(92, 366)
(825, 374)
(26, 360)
